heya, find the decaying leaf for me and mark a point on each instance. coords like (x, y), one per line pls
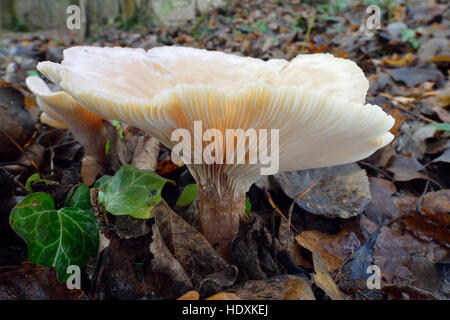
(436, 206)
(339, 191)
(16, 122)
(187, 244)
(406, 261)
(34, 282)
(146, 153)
(413, 76)
(218, 281)
(224, 296)
(298, 289)
(167, 272)
(274, 288)
(323, 280)
(333, 249)
(406, 168)
(190, 295)
(382, 208)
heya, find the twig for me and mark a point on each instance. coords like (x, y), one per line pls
(277, 210)
(21, 150)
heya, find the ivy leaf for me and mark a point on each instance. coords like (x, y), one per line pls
(79, 197)
(445, 126)
(187, 196)
(102, 182)
(248, 207)
(36, 178)
(132, 192)
(55, 238)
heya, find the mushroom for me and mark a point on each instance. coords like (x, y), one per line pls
(316, 102)
(61, 111)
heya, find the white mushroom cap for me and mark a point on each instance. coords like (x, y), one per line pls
(316, 101)
(63, 112)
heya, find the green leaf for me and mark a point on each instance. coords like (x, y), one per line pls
(36, 178)
(445, 126)
(132, 192)
(188, 195)
(79, 197)
(116, 124)
(407, 34)
(262, 26)
(248, 207)
(102, 182)
(33, 73)
(415, 43)
(55, 238)
(107, 147)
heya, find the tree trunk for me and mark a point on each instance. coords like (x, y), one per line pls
(128, 9)
(8, 17)
(85, 22)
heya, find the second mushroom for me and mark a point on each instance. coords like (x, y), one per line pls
(61, 111)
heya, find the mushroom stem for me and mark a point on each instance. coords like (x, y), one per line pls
(92, 165)
(219, 214)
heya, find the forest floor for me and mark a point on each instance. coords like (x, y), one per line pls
(313, 233)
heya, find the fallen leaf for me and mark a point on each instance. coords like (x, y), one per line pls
(406, 168)
(190, 295)
(413, 138)
(323, 280)
(273, 288)
(406, 261)
(146, 153)
(444, 157)
(443, 114)
(167, 272)
(412, 76)
(339, 191)
(332, 248)
(298, 289)
(398, 61)
(436, 206)
(187, 244)
(33, 282)
(382, 208)
(224, 296)
(217, 281)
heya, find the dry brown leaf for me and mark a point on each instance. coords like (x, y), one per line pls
(382, 208)
(164, 263)
(33, 282)
(398, 61)
(406, 168)
(146, 153)
(338, 191)
(436, 206)
(332, 248)
(190, 295)
(298, 289)
(224, 296)
(187, 244)
(274, 288)
(323, 280)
